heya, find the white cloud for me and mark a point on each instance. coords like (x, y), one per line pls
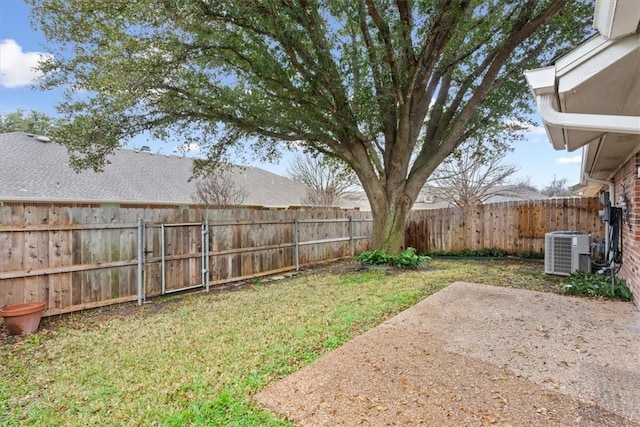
(536, 130)
(17, 68)
(528, 128)
(190, 147)
(570, 160)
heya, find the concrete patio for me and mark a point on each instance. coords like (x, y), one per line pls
(477, 355)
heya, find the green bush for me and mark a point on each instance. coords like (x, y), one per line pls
(408, 258)
(375, 257)
(596, 285)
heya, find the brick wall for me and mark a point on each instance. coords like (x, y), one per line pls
(627, 182)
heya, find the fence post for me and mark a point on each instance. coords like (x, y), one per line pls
(296, 253)
(140, 258)
(163, 260)
(351, 248)
(205, 255)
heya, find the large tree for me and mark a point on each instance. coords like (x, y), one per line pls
(389, 87)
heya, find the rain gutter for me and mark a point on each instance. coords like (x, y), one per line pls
(586, 122)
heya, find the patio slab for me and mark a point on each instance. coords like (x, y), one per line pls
(474, 354)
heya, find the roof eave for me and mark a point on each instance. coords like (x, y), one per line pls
(616, 18)
(569, 72)
(542, 82)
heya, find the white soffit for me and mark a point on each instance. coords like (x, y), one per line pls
(592, 90)
(616, 18)
(602, 158)
(600, 78)
(590, 98)
(594, 58)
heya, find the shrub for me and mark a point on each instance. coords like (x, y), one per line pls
(408, 258)
(594, 285)
(375, 257)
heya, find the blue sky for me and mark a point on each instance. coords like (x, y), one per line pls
(20, 47)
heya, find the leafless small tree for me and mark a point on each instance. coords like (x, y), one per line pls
(327, 179)
(220, 189)
(470, 177)
(557, 188)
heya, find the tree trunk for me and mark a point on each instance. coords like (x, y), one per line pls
(389, 222)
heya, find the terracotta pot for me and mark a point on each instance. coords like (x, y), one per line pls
(23, 318)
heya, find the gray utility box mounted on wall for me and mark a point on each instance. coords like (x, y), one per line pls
(566, 252)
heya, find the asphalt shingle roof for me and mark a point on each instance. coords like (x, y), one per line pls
(34, 170)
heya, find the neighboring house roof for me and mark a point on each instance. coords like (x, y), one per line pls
(428, 197)
(35, 170)
(507, 193)
(590, 98)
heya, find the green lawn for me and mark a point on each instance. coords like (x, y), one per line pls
(199, 359)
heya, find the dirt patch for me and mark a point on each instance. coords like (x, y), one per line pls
(477, 355)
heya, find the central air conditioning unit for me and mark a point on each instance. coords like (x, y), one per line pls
(566, 252)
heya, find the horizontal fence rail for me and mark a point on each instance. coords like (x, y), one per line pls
(79, 257)
(514, 227)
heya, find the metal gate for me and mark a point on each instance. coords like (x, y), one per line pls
(172, 258)
(175, 257)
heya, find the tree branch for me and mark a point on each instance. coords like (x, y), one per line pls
(386, 40)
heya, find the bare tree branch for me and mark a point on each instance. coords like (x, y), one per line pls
(328, 179)
(470, 178)
(557, 188)
(219, 190)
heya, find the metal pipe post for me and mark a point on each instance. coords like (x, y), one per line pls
(351, 248)
(203, 255)
(207, 255)
(163, 262)
(140, 258)
(296, 253)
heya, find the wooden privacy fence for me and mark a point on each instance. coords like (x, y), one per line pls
(515, 227)
(83, 256)
(75, 257)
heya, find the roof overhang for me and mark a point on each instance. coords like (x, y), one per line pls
(616, 18)
(590, 98)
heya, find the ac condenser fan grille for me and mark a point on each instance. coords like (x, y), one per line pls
(562, 255)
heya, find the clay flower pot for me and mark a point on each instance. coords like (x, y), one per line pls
(23, 318)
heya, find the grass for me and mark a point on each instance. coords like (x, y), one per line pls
(199, 360)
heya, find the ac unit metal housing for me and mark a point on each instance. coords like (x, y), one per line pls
(566, 252)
